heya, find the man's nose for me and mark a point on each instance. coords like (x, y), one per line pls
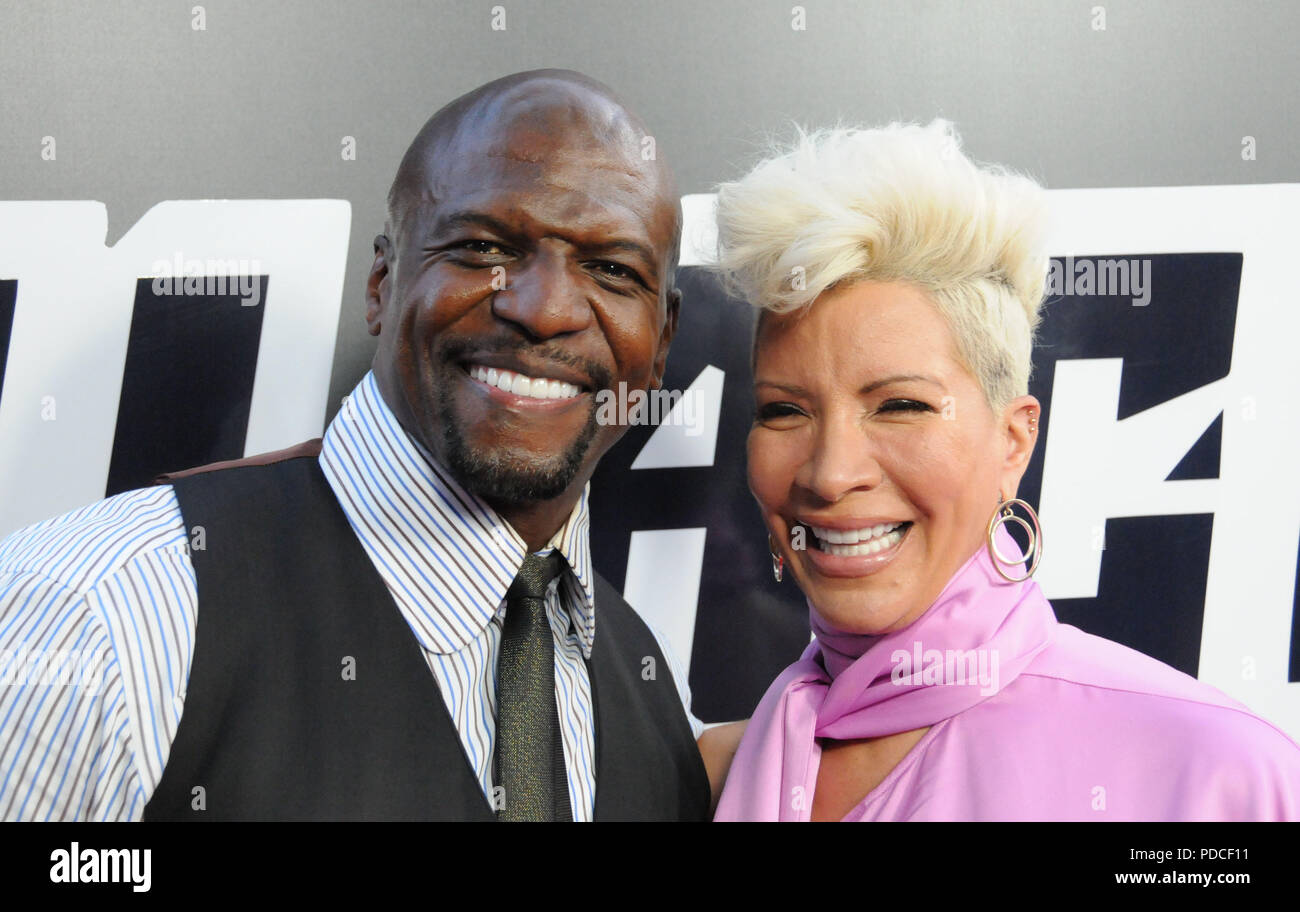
(843, 460)
(544, 297)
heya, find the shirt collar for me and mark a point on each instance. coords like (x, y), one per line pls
(445, 554)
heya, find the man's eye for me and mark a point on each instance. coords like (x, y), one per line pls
(486, 248)
(904, 405)
(616, 271)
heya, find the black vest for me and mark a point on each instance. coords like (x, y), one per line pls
(272, 730)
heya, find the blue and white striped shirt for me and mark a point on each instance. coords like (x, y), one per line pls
(98, 610)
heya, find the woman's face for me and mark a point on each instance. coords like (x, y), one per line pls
(875, 449)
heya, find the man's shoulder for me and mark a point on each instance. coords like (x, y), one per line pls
(308, 448)
(82, 547)
(621, 630)
(611, 606)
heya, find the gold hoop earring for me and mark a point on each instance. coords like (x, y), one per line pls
(1034, 553)
(778, 562)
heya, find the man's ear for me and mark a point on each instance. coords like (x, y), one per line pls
(666, 337)
(1020, 422)
(377, 285)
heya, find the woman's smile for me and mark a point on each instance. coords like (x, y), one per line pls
(852, 549)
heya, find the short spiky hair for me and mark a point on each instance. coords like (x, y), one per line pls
(897, 203)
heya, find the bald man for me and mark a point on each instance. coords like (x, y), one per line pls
(399, 620)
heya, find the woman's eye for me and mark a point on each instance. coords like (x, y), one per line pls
(904, 405)
(775, 410)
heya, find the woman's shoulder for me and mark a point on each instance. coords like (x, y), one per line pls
(1105, 673)
(1164, 745)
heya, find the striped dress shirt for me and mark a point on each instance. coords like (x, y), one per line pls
(98, 610)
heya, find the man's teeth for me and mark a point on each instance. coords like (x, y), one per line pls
(856, 542)
(521, 385)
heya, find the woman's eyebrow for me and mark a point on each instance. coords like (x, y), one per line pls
(785, 387)
(870, 387)
(898, 378)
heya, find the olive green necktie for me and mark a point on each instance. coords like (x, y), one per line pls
(529, 754)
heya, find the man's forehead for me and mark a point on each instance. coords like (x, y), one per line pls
(522, 154)
(542, 138)
(553, 134)
(553, 176)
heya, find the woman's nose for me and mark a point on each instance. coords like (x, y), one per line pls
(543, 298)
(843, 460)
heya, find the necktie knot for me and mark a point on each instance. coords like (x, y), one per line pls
(534, 577)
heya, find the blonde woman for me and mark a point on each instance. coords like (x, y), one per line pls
(899, 285)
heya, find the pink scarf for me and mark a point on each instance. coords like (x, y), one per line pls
(979, 634)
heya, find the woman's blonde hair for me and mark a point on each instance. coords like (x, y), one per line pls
(897, 203)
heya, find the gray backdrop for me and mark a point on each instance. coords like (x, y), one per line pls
(144, 108)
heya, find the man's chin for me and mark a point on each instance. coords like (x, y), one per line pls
(511, 465)
(512, 477)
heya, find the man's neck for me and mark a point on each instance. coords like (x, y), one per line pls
(538, 521)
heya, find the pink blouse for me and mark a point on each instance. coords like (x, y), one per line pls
(1030, 719)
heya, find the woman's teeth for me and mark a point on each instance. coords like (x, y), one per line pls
(857, 542)
(521, 385)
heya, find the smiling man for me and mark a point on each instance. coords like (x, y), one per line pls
(400, 620)
(528, 262)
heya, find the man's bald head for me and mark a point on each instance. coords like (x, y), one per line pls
(523, 115)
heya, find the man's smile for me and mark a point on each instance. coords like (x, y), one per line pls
(515, 362)
(522, 389)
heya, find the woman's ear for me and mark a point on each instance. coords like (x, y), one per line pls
(1020, 425)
